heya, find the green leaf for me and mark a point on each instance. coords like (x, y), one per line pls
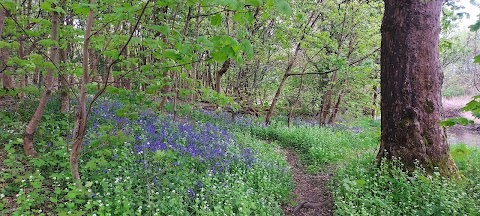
(36, 184)
(83, 8)
(475, 27)
(37, 162)
(463, 121)
(4, 44)
(233, 4)
(216, 19)
(46, 6)
(46, 42)
(254, 3)
(471, 106)
(71, 195)
(447, 123)
(360, 182)
(476, 59)
(59, 10)
(205, 41)
(91, 165)
(88, 184)
(49, 65)
(8, 4)
(244, 18)
(165, 30)
(36, 59)
(223, 54)
(247, 48)
(283, 7)
(112, 54)
(171, 54)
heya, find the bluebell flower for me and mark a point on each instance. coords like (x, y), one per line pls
(198, 183)
(190, 192)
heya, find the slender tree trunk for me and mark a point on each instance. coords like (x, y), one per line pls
(219, 74)
(175, 97)
(23, 77)
(292, 108)
(63, 81)
(35, 120)
(375, 96)
(311, 22)
(325, 108)
(63, 78)
(268, 117)
(7, 80)
(81, 111)
(166, 90)
(275, 99)
(411, 81)
(336, 108)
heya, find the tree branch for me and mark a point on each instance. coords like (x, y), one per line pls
(333, 70)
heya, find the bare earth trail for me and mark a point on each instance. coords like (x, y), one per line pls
(311, 191)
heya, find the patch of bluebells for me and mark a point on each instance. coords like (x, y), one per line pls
(208, 143)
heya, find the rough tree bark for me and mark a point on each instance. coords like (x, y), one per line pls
(35, 120)
(411, 81)
(81, 110)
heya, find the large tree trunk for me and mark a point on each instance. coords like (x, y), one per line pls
(411, 81)
(32, 125)
(81, 111)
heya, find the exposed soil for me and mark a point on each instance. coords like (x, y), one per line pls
(309, 188)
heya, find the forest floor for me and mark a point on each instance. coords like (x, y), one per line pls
(308, 188)
(6, 101)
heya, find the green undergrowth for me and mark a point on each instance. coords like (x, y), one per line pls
(362, 188)
(320, 146)
(119, 177)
